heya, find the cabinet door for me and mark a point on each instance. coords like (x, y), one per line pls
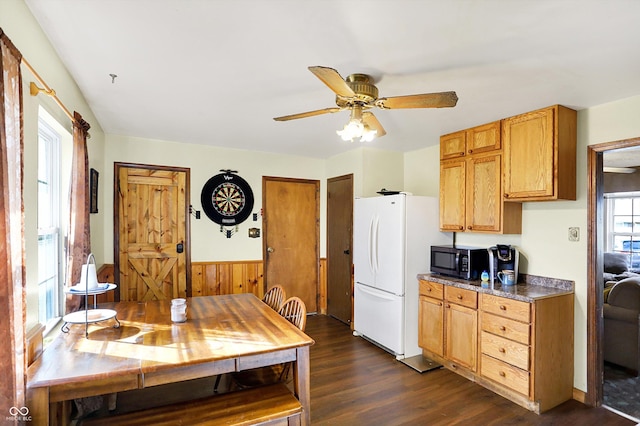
(529, 155)
(484, 194)
(430, 325)
(484, 138)
(452, 195)
(453, 145)
(461, 335)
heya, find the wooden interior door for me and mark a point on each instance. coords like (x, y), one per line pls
(152, 259)
(291, 240)
(339, 243)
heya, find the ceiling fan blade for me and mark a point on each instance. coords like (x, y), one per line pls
(427, 100)
(308, 114)
(370, 120)
(333, 80)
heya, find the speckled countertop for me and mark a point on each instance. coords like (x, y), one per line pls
(528, 289)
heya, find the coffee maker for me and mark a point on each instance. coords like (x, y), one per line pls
(501, 257)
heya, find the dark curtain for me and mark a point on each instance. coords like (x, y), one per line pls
(79, 240)
(12, 258)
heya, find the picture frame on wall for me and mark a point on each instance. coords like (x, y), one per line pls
(93, 191)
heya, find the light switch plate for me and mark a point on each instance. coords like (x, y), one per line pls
(574, 233)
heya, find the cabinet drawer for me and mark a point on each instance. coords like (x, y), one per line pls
(505, 374)
(431, 289)
(505, 327)
(505, 350)
(514, 309)
(460, 296)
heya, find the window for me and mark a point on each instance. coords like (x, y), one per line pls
(50, 258)
(623, 225)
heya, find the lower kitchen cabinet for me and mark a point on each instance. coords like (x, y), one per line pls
(461, 327)
(522, 350)
(449, 323)
(431, 325)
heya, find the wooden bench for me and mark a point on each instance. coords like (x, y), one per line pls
(269, 405)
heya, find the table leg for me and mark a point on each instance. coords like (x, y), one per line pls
(38, 405)
(302, 383)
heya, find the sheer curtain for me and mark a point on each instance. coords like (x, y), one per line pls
(79, 240)
(12, 258)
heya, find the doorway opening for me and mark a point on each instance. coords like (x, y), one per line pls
(608, 383)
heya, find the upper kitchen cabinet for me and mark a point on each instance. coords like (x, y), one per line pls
(453, 145)
(483, 138)
(486, 211)
(453, 195)
(471, 185)
(471, 141)
(540, 155)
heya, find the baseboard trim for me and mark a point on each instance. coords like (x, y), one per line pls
(579, 395)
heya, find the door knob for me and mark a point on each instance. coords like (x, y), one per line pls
(346, 251)
(270, 249)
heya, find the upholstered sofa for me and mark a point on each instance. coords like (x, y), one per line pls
(622, 324)
(616, 268)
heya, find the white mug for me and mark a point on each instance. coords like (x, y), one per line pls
(507, 277)
(178, 310)
(90, 280)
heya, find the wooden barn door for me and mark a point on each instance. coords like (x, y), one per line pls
(152, 259)
(291, 240)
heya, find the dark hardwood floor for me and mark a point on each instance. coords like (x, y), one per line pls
(353, 382)
(356, 383)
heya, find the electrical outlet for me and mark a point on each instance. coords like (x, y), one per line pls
(574, 234)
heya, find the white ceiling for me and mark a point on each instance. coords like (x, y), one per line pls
(217, 71)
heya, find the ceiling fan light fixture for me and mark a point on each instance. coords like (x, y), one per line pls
(356, 128)
(368, 135)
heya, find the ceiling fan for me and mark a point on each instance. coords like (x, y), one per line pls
(358, 94)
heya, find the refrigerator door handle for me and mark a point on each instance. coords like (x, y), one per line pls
(374, 249)
(377, 294)
(370, 245)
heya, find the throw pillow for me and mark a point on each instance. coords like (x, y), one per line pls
(615, 263)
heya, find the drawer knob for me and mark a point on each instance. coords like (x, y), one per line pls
(503, 328)
(502, 350)
(503, 308)
(459, 296)
(502, 374)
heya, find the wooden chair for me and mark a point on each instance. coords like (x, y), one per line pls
(295, 311)
(274, 297)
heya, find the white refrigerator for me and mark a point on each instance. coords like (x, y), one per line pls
(392, 236)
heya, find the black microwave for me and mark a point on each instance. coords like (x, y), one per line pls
(462, 262)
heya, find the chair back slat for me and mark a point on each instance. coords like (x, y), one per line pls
(274, 297)
(295, 311)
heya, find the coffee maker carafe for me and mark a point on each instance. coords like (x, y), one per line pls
(502, 257)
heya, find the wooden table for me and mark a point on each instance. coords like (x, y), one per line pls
(222, 334)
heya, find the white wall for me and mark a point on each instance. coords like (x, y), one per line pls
(207, 242)
(382, 169)
(544, 240)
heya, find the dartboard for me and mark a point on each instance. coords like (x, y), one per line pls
(227, 199)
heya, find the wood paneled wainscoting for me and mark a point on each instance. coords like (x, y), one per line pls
(227, 277)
